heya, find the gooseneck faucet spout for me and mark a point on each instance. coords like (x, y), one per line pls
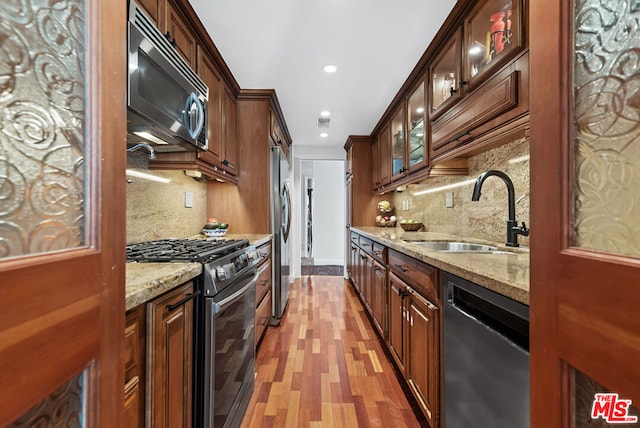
(513, 230)
(149, 147)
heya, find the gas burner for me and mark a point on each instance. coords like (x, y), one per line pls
(183, 250)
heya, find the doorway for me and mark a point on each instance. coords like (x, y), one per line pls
(322, 215)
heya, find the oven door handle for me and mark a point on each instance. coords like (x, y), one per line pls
(218, 306)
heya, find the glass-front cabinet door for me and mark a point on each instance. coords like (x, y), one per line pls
(493, 32)
(416, 144)
(445, 76)
(398, 167)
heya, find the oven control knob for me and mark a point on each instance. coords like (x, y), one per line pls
(253, 256)
(222, 273)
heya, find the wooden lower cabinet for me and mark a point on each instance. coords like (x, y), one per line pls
(396, 341)
(423, 354)
(169, 358)
(263, 293)
(134, 390)
(414, 342)
(378, 279)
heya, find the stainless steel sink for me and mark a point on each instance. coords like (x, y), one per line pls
(460, 247)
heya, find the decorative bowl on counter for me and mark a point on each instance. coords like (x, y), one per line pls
(411, 227)
(214, 233)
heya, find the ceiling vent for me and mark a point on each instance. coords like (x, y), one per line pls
(324, 122)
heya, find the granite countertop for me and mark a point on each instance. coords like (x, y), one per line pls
(507, 274)
(145, 281)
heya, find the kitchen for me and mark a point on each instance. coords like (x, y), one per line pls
(72, 314)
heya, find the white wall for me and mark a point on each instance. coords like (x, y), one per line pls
(328, 213)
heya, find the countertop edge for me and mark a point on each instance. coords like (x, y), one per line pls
(459, 264)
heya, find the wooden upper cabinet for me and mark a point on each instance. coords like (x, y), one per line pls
(417, 153)
(185, 40)
(230, 158)
(381, 159)
(493, 35)
(209, 74)
(398, 158)
(154, 10)
(445, 76)
(492, 97)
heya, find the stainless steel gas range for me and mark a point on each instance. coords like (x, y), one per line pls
(224, 322)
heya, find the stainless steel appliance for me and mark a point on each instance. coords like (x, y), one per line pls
(224, 322)
(280, 216)
(166, 99)
(486, 357)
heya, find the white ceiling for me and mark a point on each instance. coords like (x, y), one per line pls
(283, 44)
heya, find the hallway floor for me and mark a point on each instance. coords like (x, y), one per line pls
(324, 366)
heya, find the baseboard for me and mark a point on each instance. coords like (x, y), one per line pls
(326, 262)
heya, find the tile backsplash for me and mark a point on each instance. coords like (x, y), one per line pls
(157, 210)
(485, 219)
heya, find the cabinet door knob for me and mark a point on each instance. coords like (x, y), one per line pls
(462, 83)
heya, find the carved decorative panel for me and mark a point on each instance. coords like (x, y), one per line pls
(607, 126)
(584, 391)
(42, 122)
(62, 409)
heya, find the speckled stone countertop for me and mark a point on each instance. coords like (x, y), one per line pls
(145, 281)
(507, 274)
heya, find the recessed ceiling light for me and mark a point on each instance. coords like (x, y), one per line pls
(330, 68)
(324, 135)
(325, 113)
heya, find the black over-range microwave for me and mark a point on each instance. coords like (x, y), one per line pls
(166, 99)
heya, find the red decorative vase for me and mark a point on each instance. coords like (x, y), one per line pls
(497, 31)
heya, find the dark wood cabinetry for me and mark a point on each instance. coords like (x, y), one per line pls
(169, 358)
(134, 368)
(368, 273)
(501, 103)
(414, 326)
(263, 292)
(154, 10)
(181, 35)
(401, 295)
(361, 201)
(381, 160)
(254, 110)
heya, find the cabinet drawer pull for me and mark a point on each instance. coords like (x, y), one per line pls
(263, 282)
(464, 134)
(183, 301)
(402, 268)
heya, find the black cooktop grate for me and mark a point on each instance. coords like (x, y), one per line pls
(183, 250)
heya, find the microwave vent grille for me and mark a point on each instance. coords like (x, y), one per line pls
(147, 27)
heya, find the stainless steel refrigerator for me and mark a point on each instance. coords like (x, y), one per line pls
(280, 227)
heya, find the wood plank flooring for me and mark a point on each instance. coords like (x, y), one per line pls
(324, 366)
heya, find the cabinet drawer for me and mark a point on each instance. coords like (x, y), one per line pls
(264, 281)
(265, 249)
(263, 315)
(355, 238)
(417, 274)
(366, 244)
(378, 252)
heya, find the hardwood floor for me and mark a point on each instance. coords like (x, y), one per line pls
(324, 366)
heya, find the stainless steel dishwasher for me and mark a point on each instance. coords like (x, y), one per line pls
(486, 357)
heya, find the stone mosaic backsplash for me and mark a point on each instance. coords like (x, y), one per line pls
(485, 219)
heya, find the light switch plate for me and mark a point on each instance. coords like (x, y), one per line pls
(405, 205)
(188, 200)
(448, 199)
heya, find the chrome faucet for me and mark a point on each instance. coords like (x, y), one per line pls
(149, 147)
(513, 230)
